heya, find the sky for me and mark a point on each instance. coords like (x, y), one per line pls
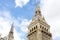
(21, 12)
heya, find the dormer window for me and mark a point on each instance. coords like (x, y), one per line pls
(39, 11)
(36, 11)
(11, 32)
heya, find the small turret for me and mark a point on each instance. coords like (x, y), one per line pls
(38, 11)
(10, 35)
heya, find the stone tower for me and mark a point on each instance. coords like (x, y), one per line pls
(10, 35)
(38, 28)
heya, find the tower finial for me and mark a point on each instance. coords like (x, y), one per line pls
(36, 2)
(12, 26)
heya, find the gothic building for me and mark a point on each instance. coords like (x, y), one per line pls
(10, 35)
(38, 28)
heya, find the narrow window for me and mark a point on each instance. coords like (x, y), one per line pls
(40, 26)
(32, 29)
(47, 29)
(39, 11)
(36, 26)
(36, 11)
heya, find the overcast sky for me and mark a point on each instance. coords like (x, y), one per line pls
(21, 12)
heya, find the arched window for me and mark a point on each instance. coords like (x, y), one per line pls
(36, 11)
(36, 26)
(40, 26)
(47, 29)
(43, 27)
(32, 29)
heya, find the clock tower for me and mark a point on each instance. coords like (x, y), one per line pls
(38, 28)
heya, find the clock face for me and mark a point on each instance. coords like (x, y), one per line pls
(35, 18)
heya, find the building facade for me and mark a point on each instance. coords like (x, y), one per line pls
(10, 35)
(38, 28)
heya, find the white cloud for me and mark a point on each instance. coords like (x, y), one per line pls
(51, 11)
(4, 23)
(6, 20)
(24, 25)
(21, 3)
(16, 36)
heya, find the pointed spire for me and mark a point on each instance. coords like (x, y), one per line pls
(12, 27)
(38, 12)
(37, 4)
(10, 35)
